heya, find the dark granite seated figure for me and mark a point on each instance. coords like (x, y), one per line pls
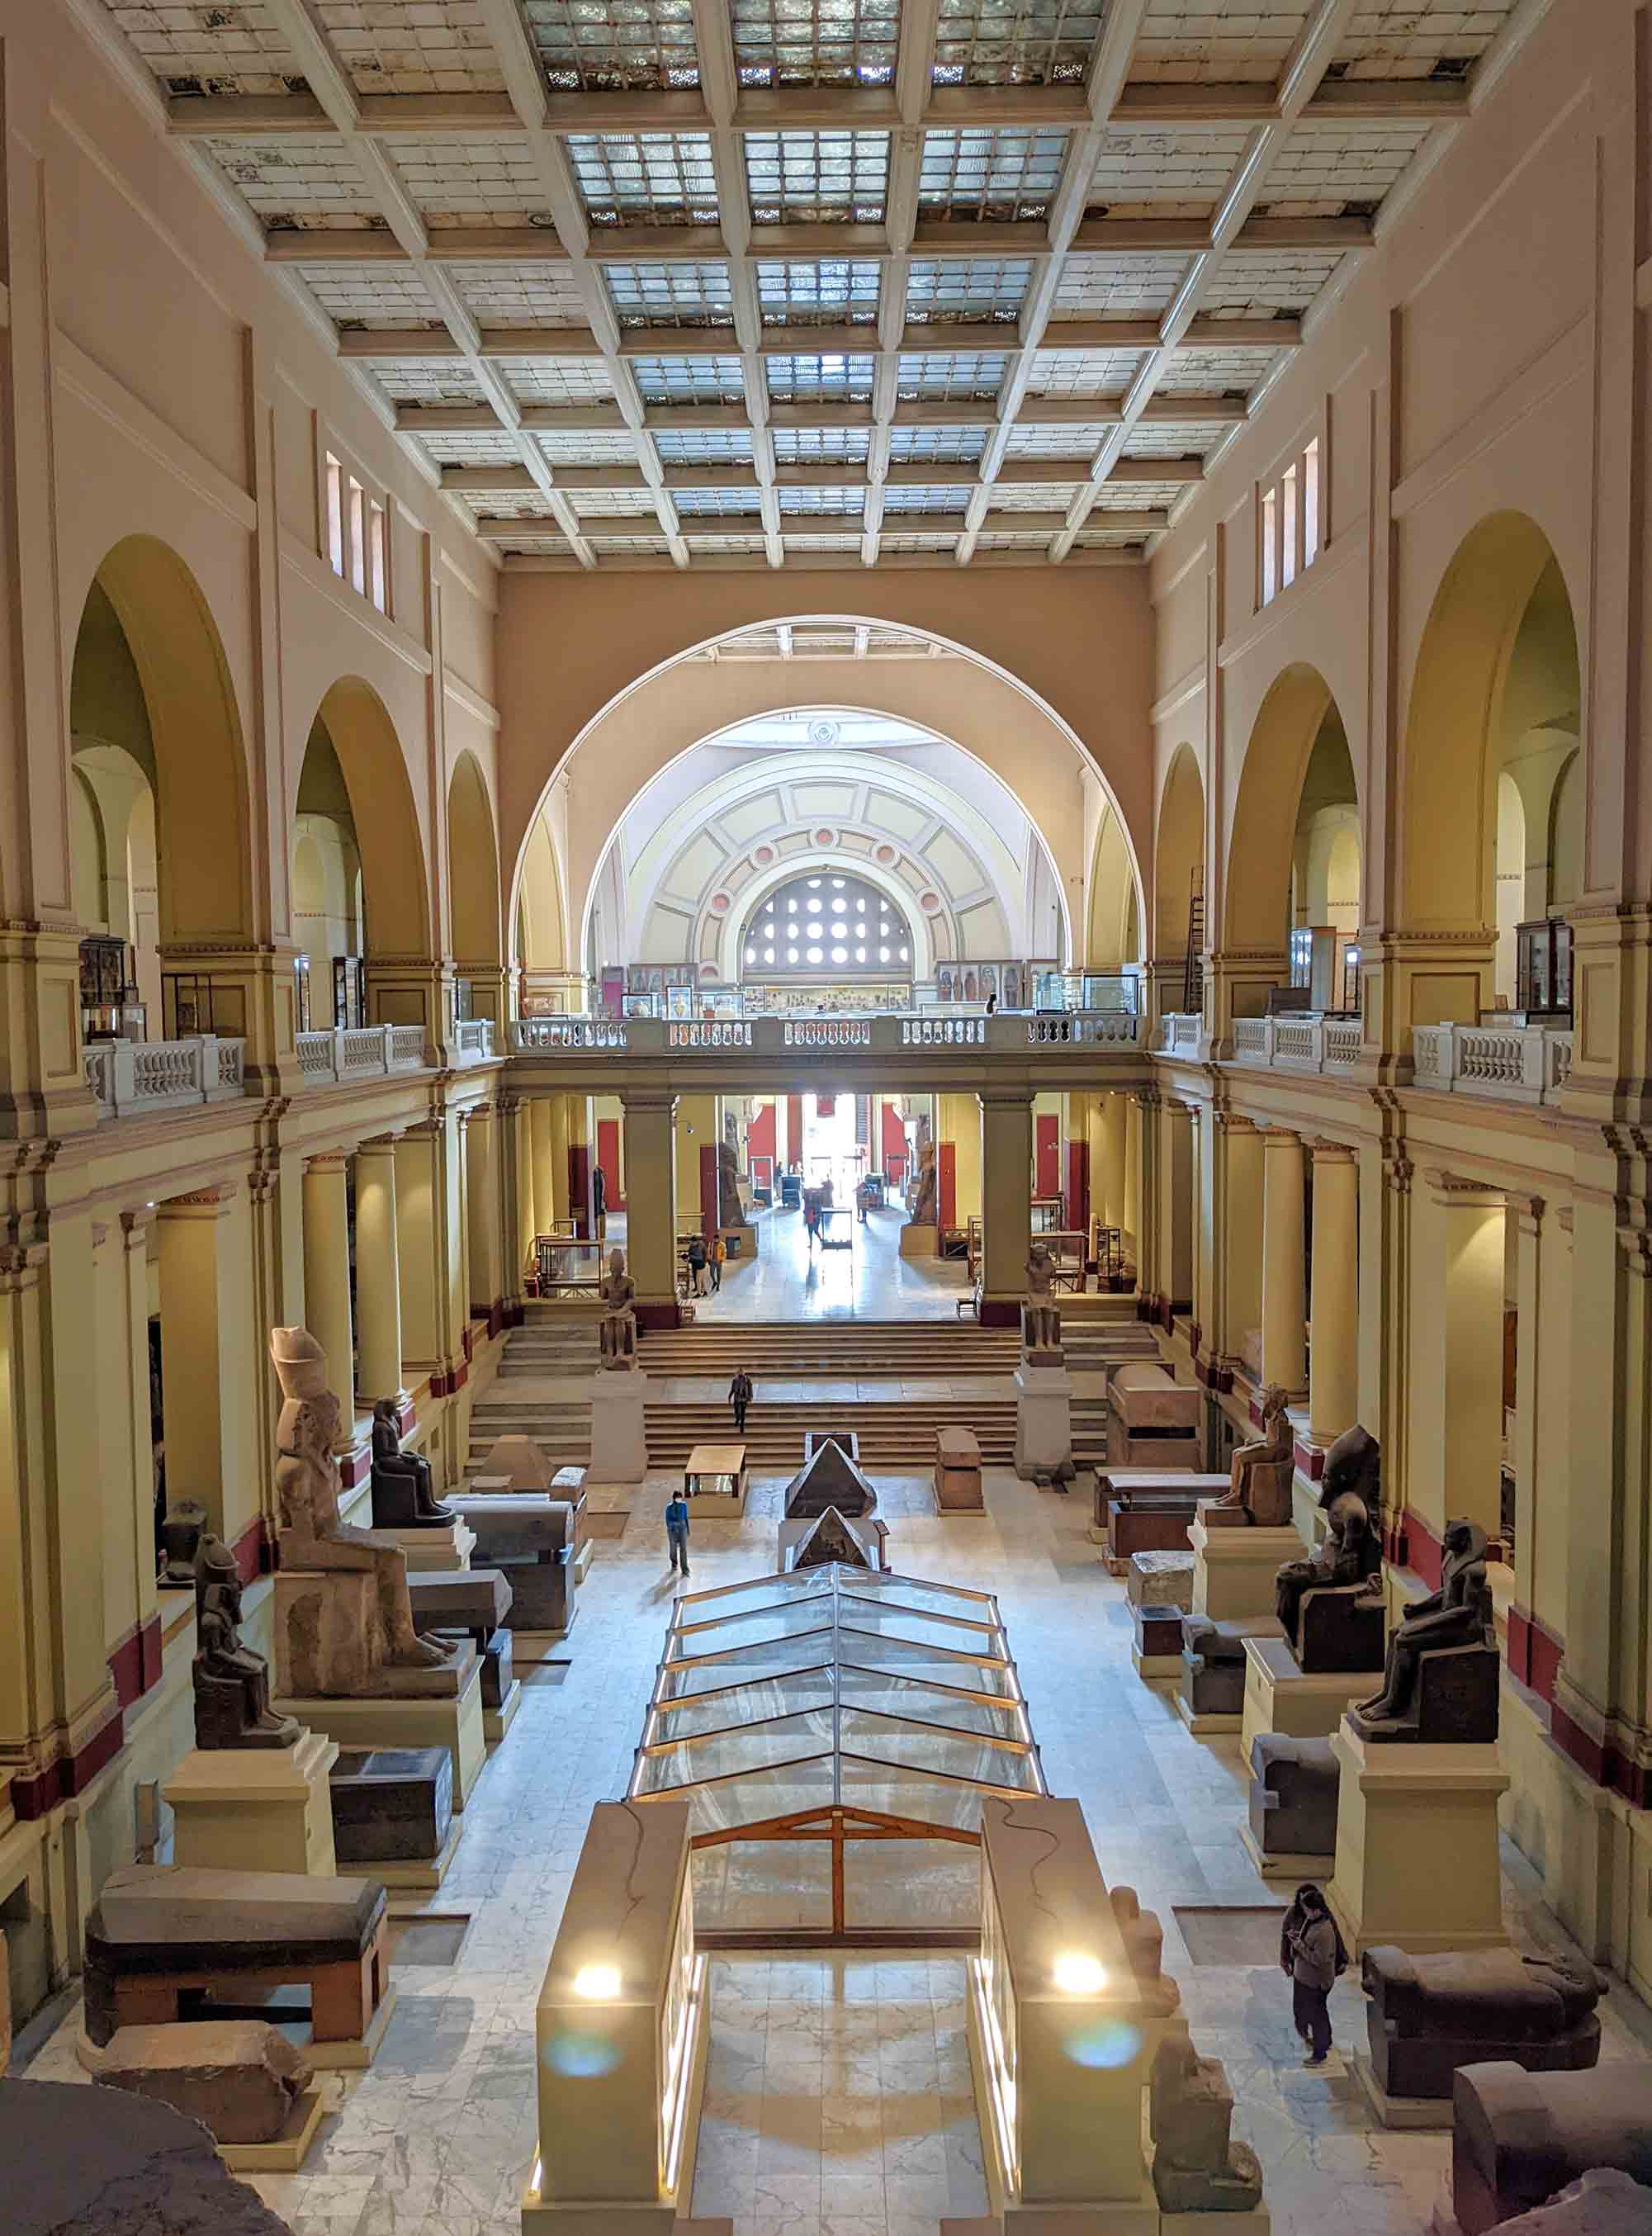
(232, 1682)
(1344, 1628)
(1353, 1469)
(1349, 1556)
(1294, 1789)
(182, 1527)
(1213, 1666)
(402, 1495)
(1518, 2137)
(1441, 1675)
(1196, 2166)
(1429, 2015)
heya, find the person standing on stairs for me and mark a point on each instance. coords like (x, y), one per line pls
(676, 1530)
(740, 1396)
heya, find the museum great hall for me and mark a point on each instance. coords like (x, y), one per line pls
(940, 701)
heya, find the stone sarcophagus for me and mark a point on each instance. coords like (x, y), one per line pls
(1429, 2014)
(1518, 2137)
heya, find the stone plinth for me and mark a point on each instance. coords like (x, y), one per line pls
(920, 1241)
(325, 1620)
(1043, 1423)
(1280, 1697)
(454, 1724)
(619, 1432)
(255, 1808)
(1417, 1845)
(1233, 1570)
(445, 1546)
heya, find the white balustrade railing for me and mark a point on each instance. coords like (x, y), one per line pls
(881, 1032)
(712, 1033)
(360, 1052)
(1094, 1028)
(1513, 1063)
(1289, 1043)
(474, 1037)
(826, 1032)
(128, 1076)
(943, 1032)
(529, 1036)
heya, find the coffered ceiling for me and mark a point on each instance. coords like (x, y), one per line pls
(793, 282)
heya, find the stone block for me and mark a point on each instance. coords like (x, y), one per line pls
(1519, 2137)
(1341, 1627)
(1159, 1579)
(240, 2077)
(453, 1724)
(1292, 1816)
(1417, 1845)
(391, 1804)
(1280, 1697)
(254, 1808)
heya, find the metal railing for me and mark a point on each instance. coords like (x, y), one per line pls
(360, 1052)
(1511, 1063)
(128, 1076)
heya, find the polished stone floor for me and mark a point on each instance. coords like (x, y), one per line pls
(870, 1280)
(436, 2139)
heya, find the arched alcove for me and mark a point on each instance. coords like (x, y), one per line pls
(473, 885)
(1179, 853)
(354, 777)
(1297, 766)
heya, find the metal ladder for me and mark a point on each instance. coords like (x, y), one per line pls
(1192, 966)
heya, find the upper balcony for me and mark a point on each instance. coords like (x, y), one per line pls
(1515, 1062)
(140, 1078)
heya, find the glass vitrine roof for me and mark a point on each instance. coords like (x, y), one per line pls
(877, 1701)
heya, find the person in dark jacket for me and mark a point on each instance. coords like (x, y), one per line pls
(1310, 1948)
(676, 1531)
(697, 1263)
(740, 1396)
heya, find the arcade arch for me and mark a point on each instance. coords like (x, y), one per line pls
(473, 885)
(1179, 856)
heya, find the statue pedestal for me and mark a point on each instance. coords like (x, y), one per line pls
(1279, 1697)
(619, 1431)
(255, 1809)
(919, 1241)
(455, 1723)
(1043, 1423)
(1417, 1845)
(443, 1545)
(1233, 1570)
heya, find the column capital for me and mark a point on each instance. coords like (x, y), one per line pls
(1458, 1191)
(1326, 1152)
(639, 1098)
(1529, 1209)
(21, 1264)
(1398, 1171)
(327, 1161)
(209, 1202)
(1007, 1097)
(377, 1145)
(1234, 1121)
(1278, 1137)
(262, 1181)
(136, 1225)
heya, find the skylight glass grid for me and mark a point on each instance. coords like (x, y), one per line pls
(1066, 442)
(1396, 38)
(810, 379)
(411, 46)
(438, 380)
(536, 547)
(827, 291)
(967, 287)
(598, 503)
(519, 294)
(448, 447)
(1262, 286)
(387, 295)
(606, 45)
(823, 500)
(690, 379)
(1108, 539)
(1214, 372)
(1219, 42)
(1324, 168)
(1138, 497)
(943, 445)
(819, 177)
(617, 547)
(815, 42)
(1002, 175)
(235, 48)
(951, 376)
(287, 180)
(1016, 42)
(1010, 539)
(718, 504)
(896, 544)
(472, 180)
(644, 178)
(559, 381)
(1096, 285)
(1165, 173)
(945, 498)
(1034, 496)
(741, 547)
(670, 294)
(704, 446)
(594, 446)
(1084, 372)
(836, 445)
(509, 505)
(1191, 438)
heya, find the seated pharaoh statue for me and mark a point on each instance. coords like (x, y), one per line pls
(1441, 1679)
(1040, 1314)
(232, 1682)
(331, 1640)
(1259, 1483)
(1349, 1557)
(617, 1328)
(402, 1495)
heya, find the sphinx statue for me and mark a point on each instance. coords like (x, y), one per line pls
(232, 1682)
(314, 1538)
(1040, 1314)
(923, 1211)
(1441, 1678)
(617, 1327)
(1259, 1481)
(402, 1497)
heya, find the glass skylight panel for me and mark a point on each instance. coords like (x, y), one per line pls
(287, 180)
(948, 445)
(718, 504)
(410, 46)
(520, 294)
(471, 448)
(645, 178)
(1396, 38)
(914, 543)
(811, 378)
(819, 177)
(386, 295)
(744, 547)
(1209, 44)
(827, 291)
(704, 446)
(1084, 372)
(822, 500)
(1322, 168)
(967, 287)
(1214, 372)
(954, 376)
(1093, 286)
(598, 503)
(235, 48)
(635, 547)
(589, 447)
(605, 45)
(1009, 539)
(670, 294)
(1032, 441)
(815, 42)
(938, 499)
(1255, 285)
(1168, 174)
(472, 179)
(690, 379)
(436, 381)
(1000, 174)
(840, 445)
(559, 381)
(1154, 438)
(1016, 42)
(1034, 496)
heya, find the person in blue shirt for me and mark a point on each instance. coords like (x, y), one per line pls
(676, 1530)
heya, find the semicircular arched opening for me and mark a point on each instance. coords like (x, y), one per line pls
(473, 891)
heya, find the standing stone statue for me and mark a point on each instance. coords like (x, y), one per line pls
(1040, 1314)
(1259, 1483)
(232, 1682)
(923, 1211)
(617, 1328)
(402, 1497)
(730, 1210)
(1440, 1683)
(313, 1537)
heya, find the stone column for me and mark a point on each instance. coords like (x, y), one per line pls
(132, 1392)
(482, 1168)
(326, 1285)
(651, 1203)
(1284, 1332)
(378, 1302)
(1110, 1183)
(1175, 1209)
(429, 1339)
(1238, 1225)
(1006, 1203)
(1139, 1195)
(206, 1336)
(1333, 1359)
(1539, 1450)
(561, 1204)
(578, 1110)
(1457, 1356)
(541, 1160)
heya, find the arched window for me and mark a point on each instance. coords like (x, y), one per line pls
(827, 924)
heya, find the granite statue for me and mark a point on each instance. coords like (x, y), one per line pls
(181, 1530)
(1441, 1677)
(232, 1682)
(617, 1328)
(922, 1212)
(731, 1212)
(1294, 1788)
(1197, 2167)
(241, 2078)
(402, 1497)
(1354, 1468)
(380, 1633)
(1428, 2015)
(1518, 2137)
(1259, 1484)
(1330, 1605)
(1041, 1343)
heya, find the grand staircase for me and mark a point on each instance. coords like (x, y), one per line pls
(843, 1349)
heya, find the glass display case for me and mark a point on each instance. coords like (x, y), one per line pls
(714, 1480)
(301, 994)
(110, 1009)
(349, 994)
(1543, 965)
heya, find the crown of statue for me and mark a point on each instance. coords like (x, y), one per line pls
(300, 1363)
(214, 1563)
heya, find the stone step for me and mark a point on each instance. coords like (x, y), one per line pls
(892, 1437)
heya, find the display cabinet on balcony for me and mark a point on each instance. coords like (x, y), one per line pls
(110, 1009)
(1542, 966)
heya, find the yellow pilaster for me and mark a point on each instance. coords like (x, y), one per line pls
(1006, 1201)
(378, 1303)
(131, 1304)
(1238, 1227)
(541, 1162)
(327, 1285)
(1110, 1158)
(1333, 1353)
(696, 1126)
(1552, 1472)
(1457, 1355)
(110, 1375)
(1283, 1303)
(558, 1151)
(651, 1201)
(1135, 1188)
(430, 1338)
(208, 1404)
(481, 1167)
(959, 1121)
(1175, 1179)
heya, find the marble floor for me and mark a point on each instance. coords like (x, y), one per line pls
(437, 2138)
(786, 1280)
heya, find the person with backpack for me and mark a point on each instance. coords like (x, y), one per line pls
(697, 1263)
(1311, 1956)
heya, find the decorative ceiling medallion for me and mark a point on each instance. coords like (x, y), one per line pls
(825, 838)
(823, 732)
(930, 903)
(719, 904)
(888, 856)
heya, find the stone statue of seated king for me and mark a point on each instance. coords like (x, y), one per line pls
(617, 1327)
(1441, 1681)
(232, 1682)
(1259, 1486)
(402, 1497)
